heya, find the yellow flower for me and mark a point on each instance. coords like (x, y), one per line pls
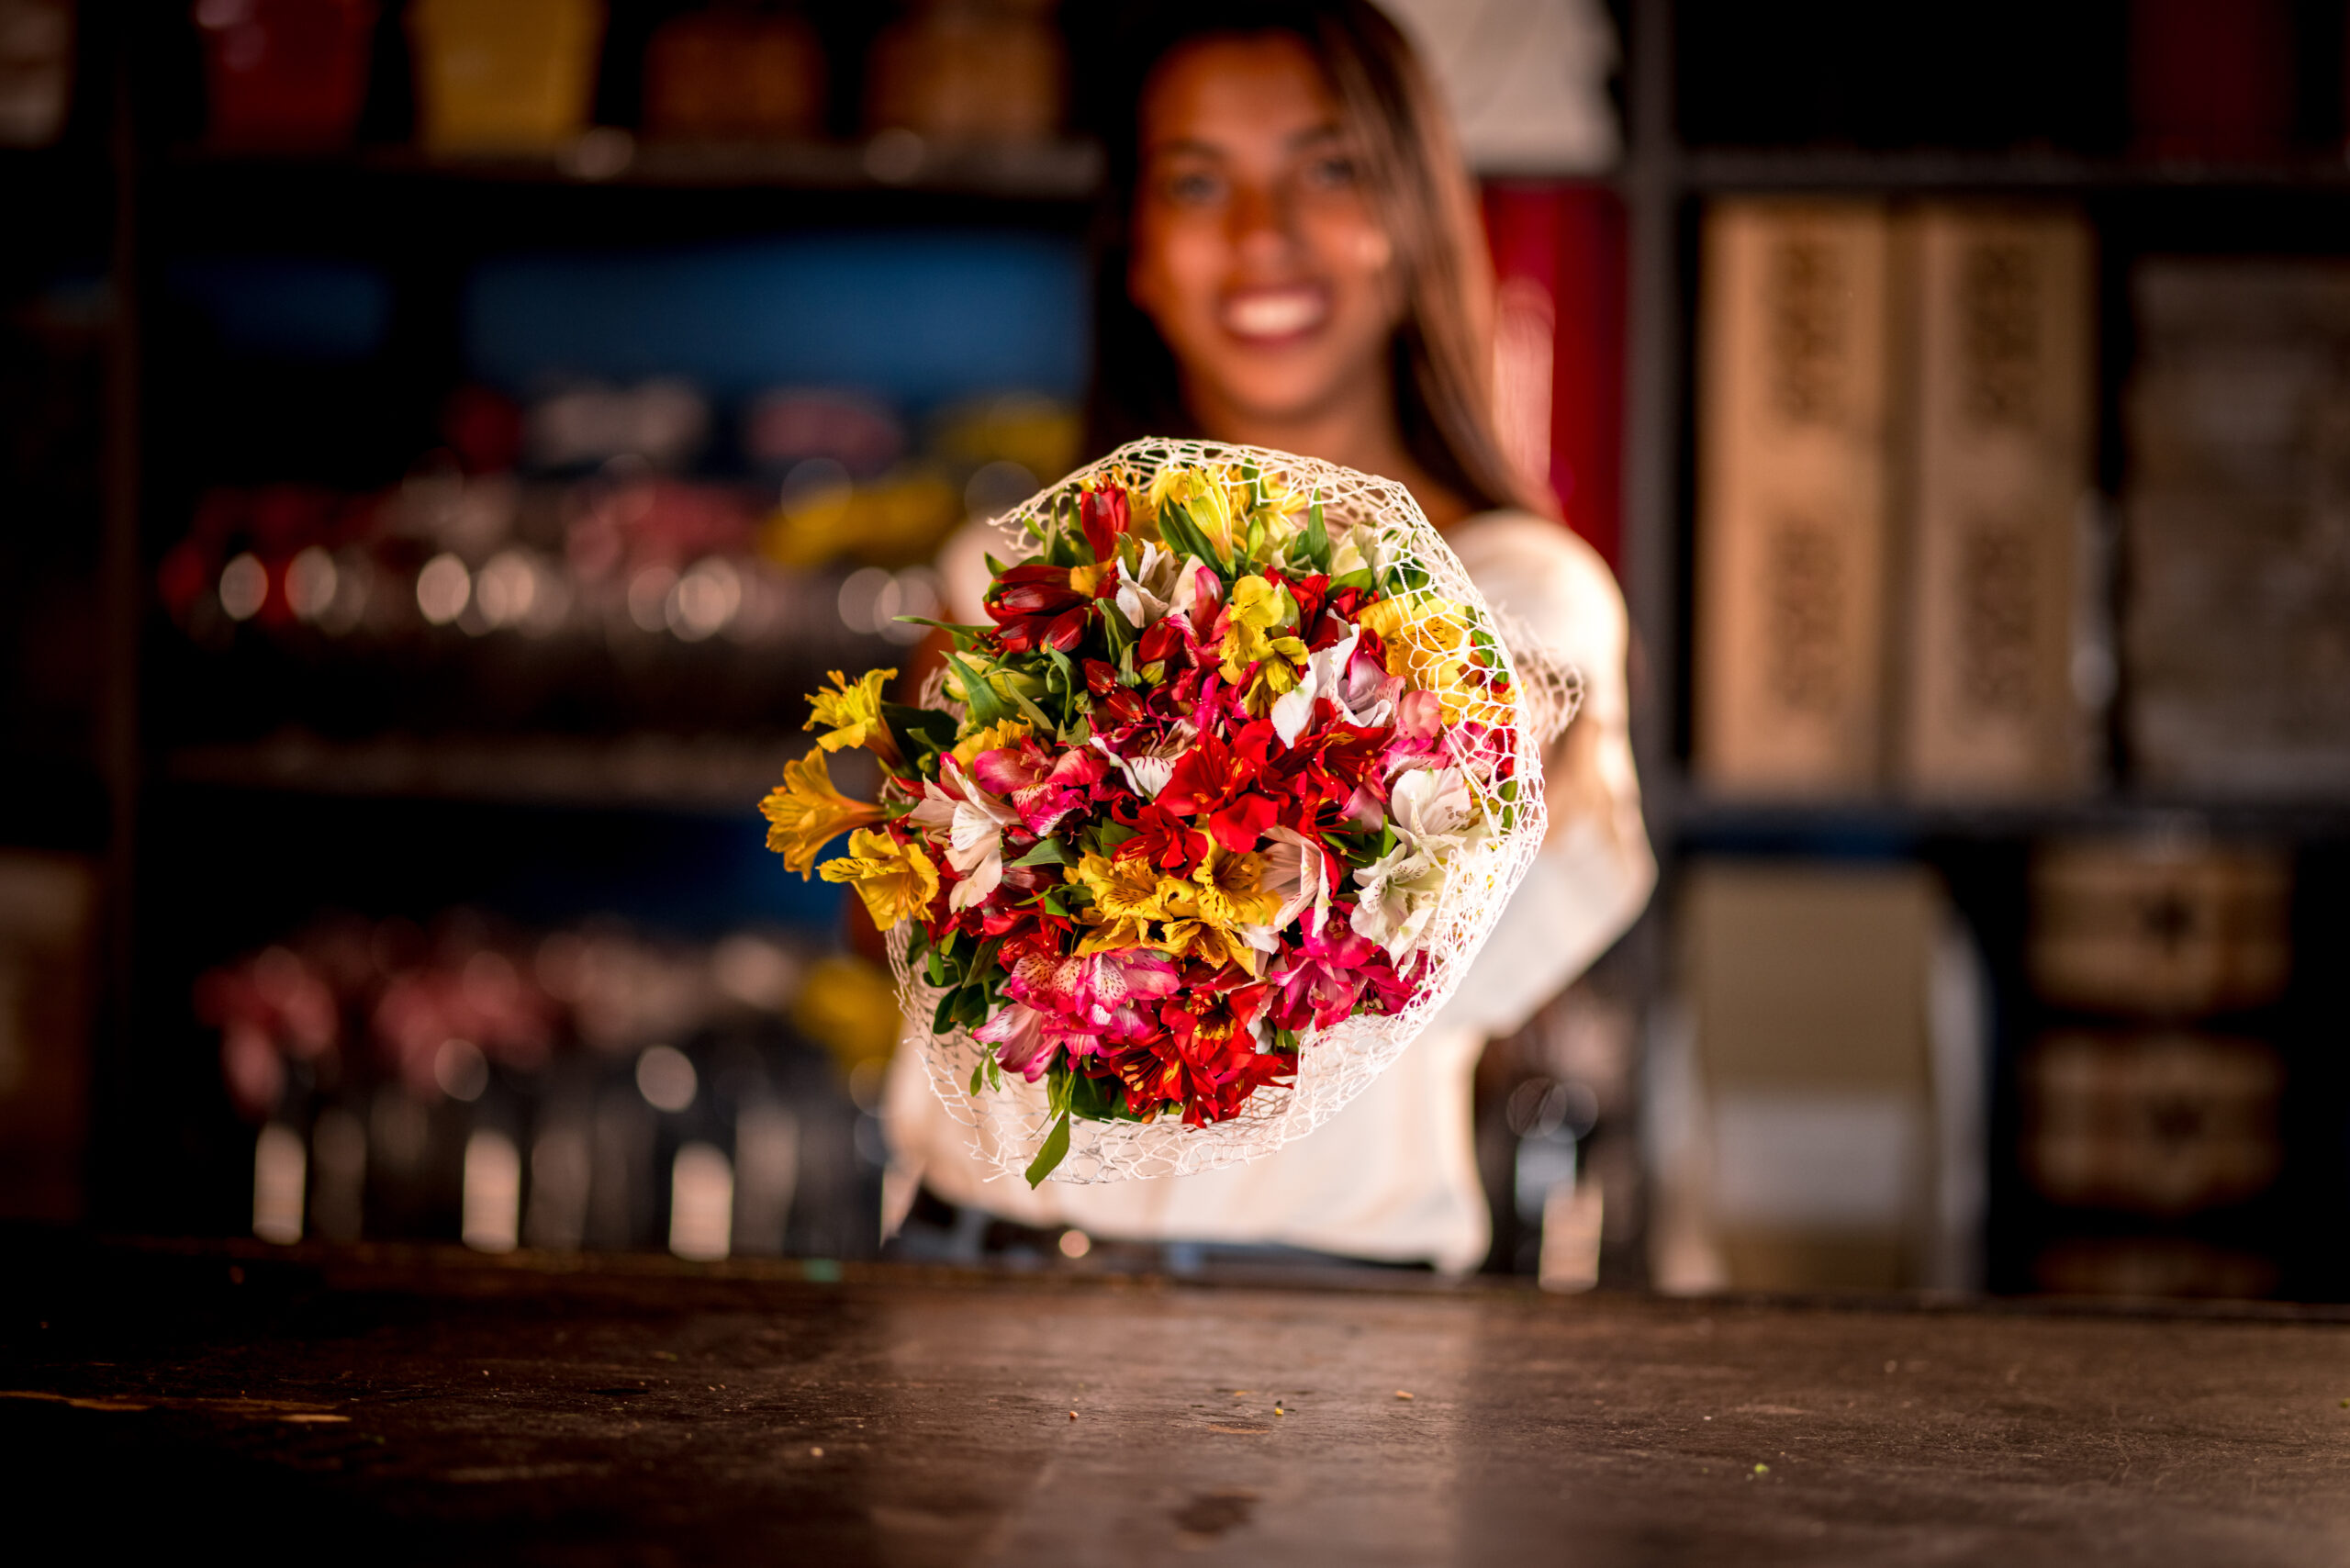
(1427, 645)
(1135, 906)
(806, 813)
(1205, 500)
(995, 738)
(1257, 607)
(853, 712)
(1120, 887)
(1230, 888)
(1209, 943)
(895, 879)
(1126, 903)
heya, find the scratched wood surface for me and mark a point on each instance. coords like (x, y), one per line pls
(382, 1405)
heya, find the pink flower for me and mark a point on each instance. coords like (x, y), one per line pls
(1099, 994)
(1326, 975)
(1418, 740)
(1042, 789)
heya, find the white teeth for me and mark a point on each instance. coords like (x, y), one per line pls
(1274, 315)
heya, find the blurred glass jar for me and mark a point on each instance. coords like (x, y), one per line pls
(286, 76)
(516, 77)
(731, 74)
(969, 71)
(35, 71)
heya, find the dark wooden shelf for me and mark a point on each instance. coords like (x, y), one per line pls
(1063, 171)
(648, 771)
(1691, 815)
(2024, 173)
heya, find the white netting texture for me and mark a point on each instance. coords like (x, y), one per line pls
(1335, 1064)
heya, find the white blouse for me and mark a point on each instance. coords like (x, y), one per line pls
(1393, 1176)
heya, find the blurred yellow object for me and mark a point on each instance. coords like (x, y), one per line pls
(848, 1006)
(895, 520)
(515, 75)
(1039, 433)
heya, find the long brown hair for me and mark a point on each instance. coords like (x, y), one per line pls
(1419, 187)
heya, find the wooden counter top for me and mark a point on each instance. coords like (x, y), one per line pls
(384, 1405)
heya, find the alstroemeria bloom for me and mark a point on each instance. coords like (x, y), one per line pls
(1039, 606)
(1026, 1038)
(1426, 639)
(893, 876)
(1434, 808)
(1345, 674)
(1099, 992)
(1147, 593)
(805, 813)
(1147, 768)
(1399, 897)
(1258, 608)
(973, 820)
(1218, 782)
(1297, 871)
(852, 714)
(1041, 789)
(1326, 975)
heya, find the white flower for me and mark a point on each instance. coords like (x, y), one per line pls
(1149, 771)
(1435, 809)
(1361, 697)
(973, 827)
(1295, 869)
(1143, 594)
(1198, 591)
(1399, 890)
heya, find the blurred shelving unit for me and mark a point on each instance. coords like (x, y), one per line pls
(261, 778)
(1840, 102)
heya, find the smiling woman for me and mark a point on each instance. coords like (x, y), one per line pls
(1292, 259)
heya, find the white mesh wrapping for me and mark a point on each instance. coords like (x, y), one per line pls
(1334, 1064)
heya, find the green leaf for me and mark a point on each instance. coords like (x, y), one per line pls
(1114, 834)
(1314, 544)
(1035, 715)
(918, 729)
(987, 706)
(978, 1071)
(1358, 579)
(942, 1018)
(1099, 1100)
(1046, 852)
(1185, 535)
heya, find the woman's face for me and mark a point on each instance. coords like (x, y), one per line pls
(1255, 250)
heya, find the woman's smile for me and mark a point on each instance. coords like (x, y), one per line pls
(1275, 316)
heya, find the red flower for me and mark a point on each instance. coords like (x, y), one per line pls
(1103, 514)
(1205, 1056)
(1163, 838)
(1220, 783)
(1036, 605)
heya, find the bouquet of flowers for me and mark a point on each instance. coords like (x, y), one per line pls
(1182, 848)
